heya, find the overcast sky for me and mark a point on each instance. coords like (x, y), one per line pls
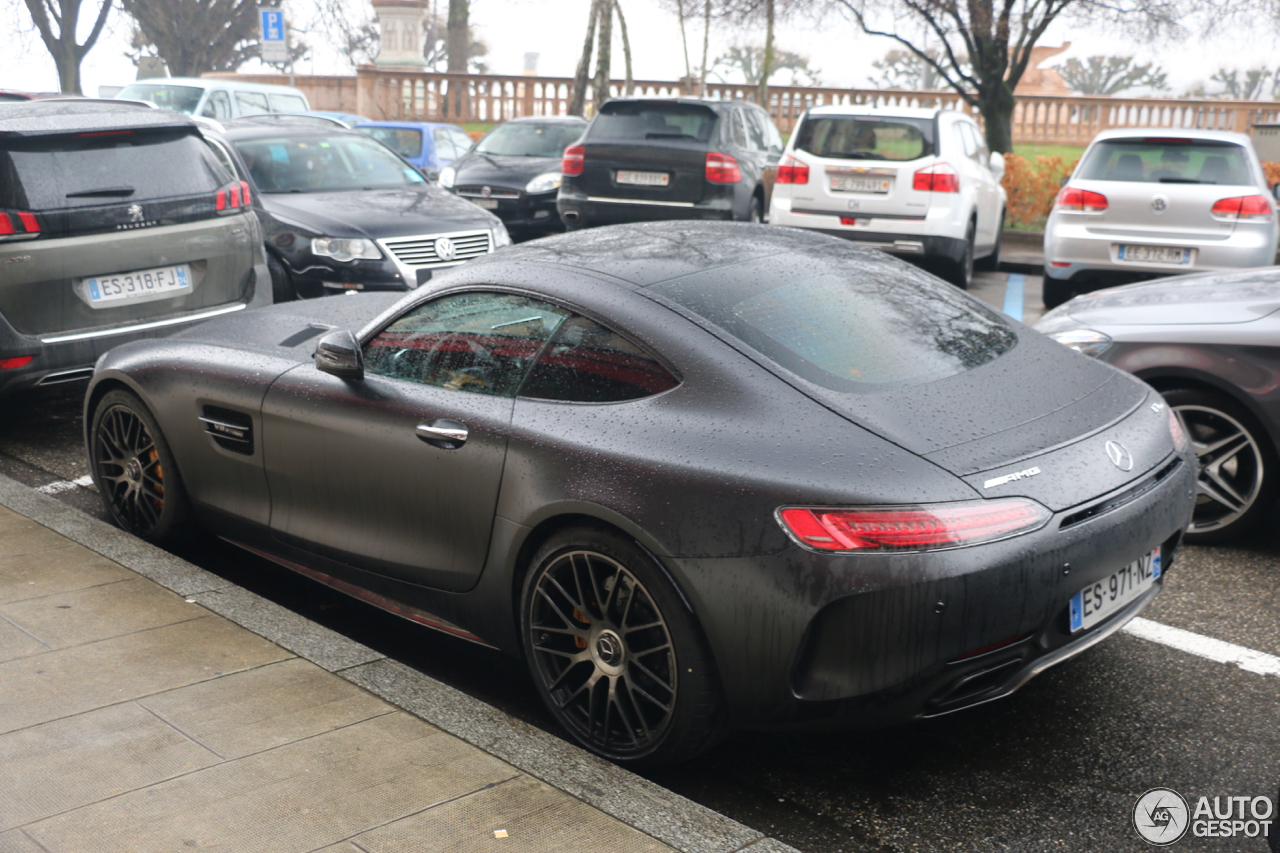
(554, 29)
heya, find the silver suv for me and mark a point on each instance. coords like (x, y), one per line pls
(117, 222)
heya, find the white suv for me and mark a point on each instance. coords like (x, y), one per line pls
(909, 181)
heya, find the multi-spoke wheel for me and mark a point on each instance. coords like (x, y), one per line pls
(1236, 481)
(616, 655)
(134, 469)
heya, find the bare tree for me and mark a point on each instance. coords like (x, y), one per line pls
(748, 62)
(57, 21)
(578, 98)
(1109, 75)
(902, 69)
(195, 36)
(629, 83)
(1256, 84)
(997, 37)
(604, 55)
(459, 31)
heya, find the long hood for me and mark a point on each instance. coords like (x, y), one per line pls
(379, 214)
(511, 172)
(1204, 299)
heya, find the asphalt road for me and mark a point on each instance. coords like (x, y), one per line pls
(1056, 767)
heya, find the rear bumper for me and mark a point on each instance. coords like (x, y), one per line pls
(934, 235)
(579, 209)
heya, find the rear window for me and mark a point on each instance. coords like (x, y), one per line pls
(866, 137)
(1166, 161)
(630, 120)
(527, 139)
(847, 324)
(180, 98)
(57, 172)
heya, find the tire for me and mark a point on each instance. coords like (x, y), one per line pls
(756, 213)
(960, 272)
(135, 471)
(991, 262)
(1056, 292)
(643, 697)
(1236, 484)
(282, 289)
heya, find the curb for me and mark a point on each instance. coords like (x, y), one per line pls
(624, 796)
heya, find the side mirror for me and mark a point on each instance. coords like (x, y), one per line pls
(339, 353)
(997, 164)
(432, 175)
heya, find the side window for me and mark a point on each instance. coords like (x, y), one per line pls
(224, 158)
(482, 343)
(756, 131)
(218, 105)
(588, 363)
(288, 104)
(739, 132)
(251, 103)
(444, 145)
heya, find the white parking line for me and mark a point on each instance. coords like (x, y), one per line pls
(1205, 647)
(60, 486)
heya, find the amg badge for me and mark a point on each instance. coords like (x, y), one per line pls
(1009, 478)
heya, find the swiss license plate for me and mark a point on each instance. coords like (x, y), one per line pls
(487, 203)
(169, 281)
(644, 179)
(842, 184)
(1154, 255)
(1096, 602)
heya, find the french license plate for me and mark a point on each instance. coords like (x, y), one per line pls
(644, 179)
(1154, 255)
(170, 281)
(1096, 602)
(843, 184)
(486, 203)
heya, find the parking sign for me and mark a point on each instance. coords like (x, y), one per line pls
(274, 46)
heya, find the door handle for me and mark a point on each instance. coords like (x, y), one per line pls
(443, 433)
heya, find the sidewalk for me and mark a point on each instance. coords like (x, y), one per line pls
(148, 705)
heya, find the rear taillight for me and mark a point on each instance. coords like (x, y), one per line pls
(792, 171)
(938, 178)
(1245, 208)
(19, 224)
(232, 197)
(912, 528)
(1084, 201)
(1176, 431)
(15, 362)
(575, 160)
(722, 169)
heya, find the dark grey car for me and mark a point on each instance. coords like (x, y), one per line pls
(117, 222)
(698, 475)
(1210, 343)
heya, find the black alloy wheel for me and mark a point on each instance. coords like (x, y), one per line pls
(282, 289)
(756, 214)
(1235, 485)
(961, 272)
(991, 262)
(135, 471)
(615, 654)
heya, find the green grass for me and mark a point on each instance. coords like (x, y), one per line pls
(1068, 153)
(478, 126)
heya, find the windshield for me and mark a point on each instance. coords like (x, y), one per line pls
(1166, 161)
(312, 164)
(183, 99)
(866, 137)
(527, 139)
(407, 143)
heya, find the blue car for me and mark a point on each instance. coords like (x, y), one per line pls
(426, 145)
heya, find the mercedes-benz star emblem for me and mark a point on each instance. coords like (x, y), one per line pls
(135, 212)
(1159, 203)
(1119, 455)
(445, 250)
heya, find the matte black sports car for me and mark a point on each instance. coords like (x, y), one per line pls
(698, 475)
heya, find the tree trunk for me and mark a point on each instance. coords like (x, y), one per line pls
(578, 99)
(630, 85)
(706, 44)
(996, 105)
(459, 42)
(684, 42)
(762, 91)
(604, 56)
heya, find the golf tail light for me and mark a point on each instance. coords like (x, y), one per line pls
(927, 527)
(575, 160)
(792, 171)
(938, 178)
(18, 224)
(1084, 201)
(1246, 208)
(722, 169)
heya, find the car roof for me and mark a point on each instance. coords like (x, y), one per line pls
(287, 124)
(548, 119)
(408, 125)
(48, 117)
(1171, 134)
(886, 112)
(678, 99)
(214, 82)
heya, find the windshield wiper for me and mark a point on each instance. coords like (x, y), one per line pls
(669, 136)
(121, 192)
(1184, 181)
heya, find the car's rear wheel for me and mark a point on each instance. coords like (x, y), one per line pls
(1236, 483)
(991, 262)
(282, 289)
(960, 272)
(135, 470)
(615, 653)
(756, 213)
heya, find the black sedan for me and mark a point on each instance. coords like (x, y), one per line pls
(342, 212)
(698, 476)
(514, 171)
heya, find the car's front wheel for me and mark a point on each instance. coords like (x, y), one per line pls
(135, 471)
(282, 289)
(1236, 483)
(615, 653)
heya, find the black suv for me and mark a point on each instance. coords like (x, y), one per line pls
(117, 222)
(661, 158)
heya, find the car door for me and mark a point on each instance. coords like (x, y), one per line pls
(768, 148)
(398, 473)
(977, 166)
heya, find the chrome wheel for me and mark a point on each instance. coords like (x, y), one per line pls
(603, 653)
(1232, 468)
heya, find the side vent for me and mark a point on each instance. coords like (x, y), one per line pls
(229, 430)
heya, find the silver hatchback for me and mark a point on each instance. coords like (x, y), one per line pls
(1142, 205)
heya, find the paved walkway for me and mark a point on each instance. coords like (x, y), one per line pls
(134, 717)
